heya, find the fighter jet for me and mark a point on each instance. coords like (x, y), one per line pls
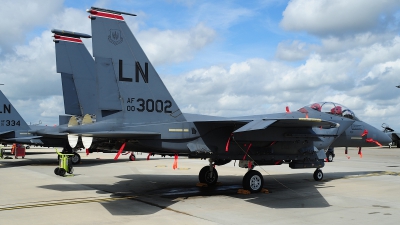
(137, 113)
(14, 129)
(392, 134)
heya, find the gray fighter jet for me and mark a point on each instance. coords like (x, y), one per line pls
(392, 134)
(137, 113)
(14, 129)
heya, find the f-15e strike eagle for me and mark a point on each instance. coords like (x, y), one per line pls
(135, 112)
(120, 102)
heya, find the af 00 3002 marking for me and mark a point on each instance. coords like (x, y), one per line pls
(149, 105)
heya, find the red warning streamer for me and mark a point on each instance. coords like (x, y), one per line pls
(370, 140)
(359, 152)
(248, 148)
(148, 157)
(175, 165)
(228, 143)
(364, 133)
(120, 150)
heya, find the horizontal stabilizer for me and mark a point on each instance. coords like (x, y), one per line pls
(6, 132)
(120, 134)
(23, 138)
(26, 140)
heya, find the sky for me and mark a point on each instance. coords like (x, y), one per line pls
(223, 58)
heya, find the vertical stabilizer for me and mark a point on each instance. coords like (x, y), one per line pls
(10, 120)
(78, 74)
(122, 65)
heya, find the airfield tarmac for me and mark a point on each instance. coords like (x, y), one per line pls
(105, 191)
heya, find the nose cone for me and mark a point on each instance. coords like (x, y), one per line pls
(384, 138)
(379, 136)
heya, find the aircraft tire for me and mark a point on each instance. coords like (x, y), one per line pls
(253, 181)
(330, 157)
(208, 177)
(76, 158)
(61, 172)
(318, 175)
(57, 170)
(132, 157)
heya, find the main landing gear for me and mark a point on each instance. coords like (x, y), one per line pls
(76, 158)
(253, 180)
(318, 175)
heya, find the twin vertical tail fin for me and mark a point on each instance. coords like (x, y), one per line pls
(129, 86)
(10, 119)
(78, 73)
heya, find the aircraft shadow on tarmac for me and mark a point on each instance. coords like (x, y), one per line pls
(151, 193)
(85, 162)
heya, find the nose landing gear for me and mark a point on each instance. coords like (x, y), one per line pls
(208, 175)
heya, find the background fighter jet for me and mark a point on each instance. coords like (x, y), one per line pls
(392, 134)
(137, 113)
(14, 129)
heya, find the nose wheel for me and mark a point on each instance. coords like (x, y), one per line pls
(318, 175)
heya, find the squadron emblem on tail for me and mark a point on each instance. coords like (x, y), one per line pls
(115, 37)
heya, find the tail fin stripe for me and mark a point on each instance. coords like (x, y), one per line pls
(106, 15)
(69, 39)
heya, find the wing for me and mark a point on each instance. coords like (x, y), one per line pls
(289, 129)
(286, 123)
(120, 134)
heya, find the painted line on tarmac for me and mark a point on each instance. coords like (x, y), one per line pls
(71, 202)
(374, 174)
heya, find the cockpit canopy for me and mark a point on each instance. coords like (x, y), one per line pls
(331, 108)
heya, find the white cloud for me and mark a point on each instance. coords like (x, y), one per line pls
(255, 85)
(292, 51)
(325, 17)
(174, 46)
(21, 17)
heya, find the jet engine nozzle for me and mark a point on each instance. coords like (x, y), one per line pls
(73, 121)
(88, 119)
